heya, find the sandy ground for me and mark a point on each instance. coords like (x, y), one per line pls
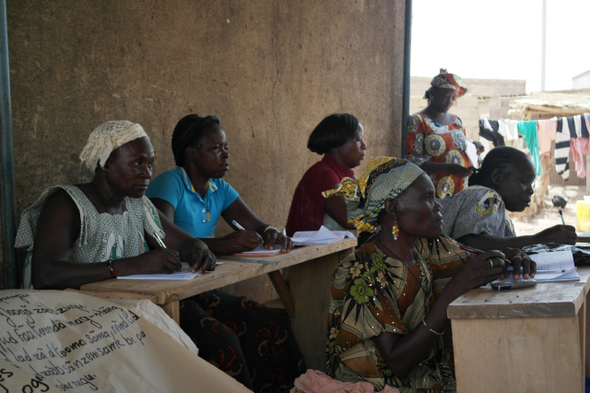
(549, 215)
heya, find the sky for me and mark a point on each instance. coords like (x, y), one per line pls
(501, 39)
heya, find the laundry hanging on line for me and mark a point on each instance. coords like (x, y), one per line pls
(569, 133)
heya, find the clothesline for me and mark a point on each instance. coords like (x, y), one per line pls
(569, 133)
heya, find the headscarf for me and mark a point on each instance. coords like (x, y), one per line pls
(106, 138)
(449, 81)
(384, 178)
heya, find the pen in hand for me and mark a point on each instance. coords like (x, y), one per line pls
(161, 243)
(241, 228)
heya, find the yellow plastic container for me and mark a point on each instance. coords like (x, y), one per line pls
(583, 214)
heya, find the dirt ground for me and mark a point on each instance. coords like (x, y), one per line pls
(549, 215)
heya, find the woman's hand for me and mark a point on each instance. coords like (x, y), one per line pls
(564, 234)
(272, 236)
(197, 254)
(158, 261)
(518, 259)
(238, 241)
(478, 271)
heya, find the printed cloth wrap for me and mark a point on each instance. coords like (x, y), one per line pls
(447, 80)
(383, 178)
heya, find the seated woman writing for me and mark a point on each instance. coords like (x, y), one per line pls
(477, 215)
(77, 234)
(195, 196)
(385, 322)
(241, 337)
(339, 137)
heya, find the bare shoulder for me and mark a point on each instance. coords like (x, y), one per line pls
(61, 208)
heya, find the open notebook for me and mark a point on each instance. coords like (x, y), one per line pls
(551, 267)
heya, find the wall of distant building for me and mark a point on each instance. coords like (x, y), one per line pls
(581, 81)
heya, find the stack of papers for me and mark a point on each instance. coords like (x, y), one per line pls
(321, 236)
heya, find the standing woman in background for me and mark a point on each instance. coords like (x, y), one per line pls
(339, 137)
(435, 139)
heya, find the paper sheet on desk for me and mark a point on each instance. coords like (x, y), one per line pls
(261, 250)
(183, 274)
(321, 236)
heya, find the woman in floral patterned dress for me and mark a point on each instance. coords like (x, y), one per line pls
(387, 315)
(435, 139)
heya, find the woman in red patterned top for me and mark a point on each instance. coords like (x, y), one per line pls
(339, 137)
(435, 139)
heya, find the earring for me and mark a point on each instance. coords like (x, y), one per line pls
(395, 231)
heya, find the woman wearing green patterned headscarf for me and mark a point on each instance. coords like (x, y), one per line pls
(385, 323)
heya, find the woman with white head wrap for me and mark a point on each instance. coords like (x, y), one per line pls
(89, 232)
(385, 323)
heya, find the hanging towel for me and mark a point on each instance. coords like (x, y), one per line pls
(580, 147)
(579, 127)
(529, 130)
(509, 130)
(562, 148)
(547, 131)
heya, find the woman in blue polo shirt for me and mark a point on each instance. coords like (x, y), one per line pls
(243, 338)
(195, 196)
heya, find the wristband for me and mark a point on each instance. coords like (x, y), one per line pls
(270, 227)
(432, 331)
(110, 266)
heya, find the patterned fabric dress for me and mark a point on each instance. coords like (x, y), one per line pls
(373, 294)
(475, 210)
(426, 140)
(246, 340)
(102, 236)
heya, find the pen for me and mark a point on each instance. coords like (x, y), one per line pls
(235, 223)
(551, 271)
(470, 249)
(150, 208)
(548, 271)
(159, 240)
(561, 214)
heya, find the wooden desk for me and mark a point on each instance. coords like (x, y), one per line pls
(528, 340)
(306, 297)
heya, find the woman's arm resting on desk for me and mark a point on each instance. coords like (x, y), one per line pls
(57, 230)
(565, 234)
(403, 353)
(238, 241)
